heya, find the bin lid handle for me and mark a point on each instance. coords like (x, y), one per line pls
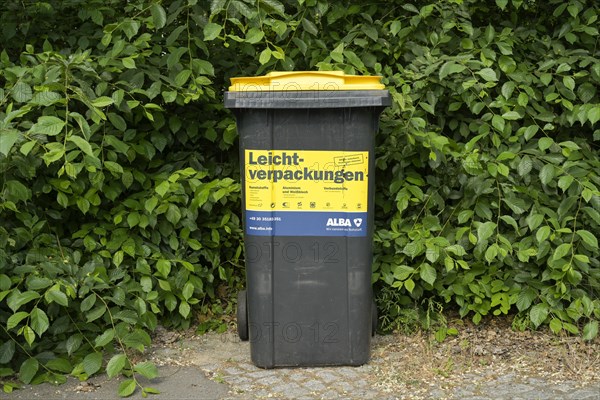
(305, 80)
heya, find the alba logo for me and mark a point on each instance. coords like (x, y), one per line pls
(338, 222)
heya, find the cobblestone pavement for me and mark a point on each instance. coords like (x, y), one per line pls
(223, 358)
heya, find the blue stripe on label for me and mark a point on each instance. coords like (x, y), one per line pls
(301, 223)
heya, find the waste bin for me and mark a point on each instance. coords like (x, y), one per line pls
(307, 159)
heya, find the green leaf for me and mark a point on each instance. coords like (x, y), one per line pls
(502, 4)
(211, 31)
(485, 230)
(55, 295)
(88, 302)
(449, 68)
(8, 137)
(564, 67)
(117, 144)
(117, 121)
(586, 92)
(127, 387)
(301, 44)
(21, 92)
(510, 221)
(39, 321)
(188, 291)
(105, 338)
(113, 167)
(488, 74)
(530, 132)
(96, 313)
(525, 166)
(130, 27)
(254, 35)
(589, 238)
(593, 115)
(6, 283)
(561, 251)
(116, 365)
(569, 83)
(395, 27)
(173, 214)
(565, 182)
(73, 343)
(525, 299)
(7, 351)
(151, 204)
(507, 89)
(449, 264)
(457, 250)
(440, 335)
(27, 147)
(82, 144)
(48, 125)
(402, 272)
(590, 331)
(164, 267)
(571, 328)
(409, 284)
(182, 77)
(547, 174)
(511, 115)
(498, 123)
(278, 53)
(159, 16)
(28, 334)
(542, 233)
(545, 143)
(507, 64)
(118, 258)
(146, 369)
(428, 273)
(338, 53)
(128, 63)
(132, 220)
(150, 390)
(546, 78)
(60, 364)
(538, 314)
(92, 363)
(17, 299)
(503, 169)
(310, 27)
(534, 220)
(265, 56)
(370, 31)
(555, 326)
(13, 320)
(102, 101)
(491, 253)
(169, 96)
(28, 370)
(273, 6)
(184, 309)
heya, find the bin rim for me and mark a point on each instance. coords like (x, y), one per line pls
(278, 81)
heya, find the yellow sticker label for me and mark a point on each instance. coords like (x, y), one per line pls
(306, 180)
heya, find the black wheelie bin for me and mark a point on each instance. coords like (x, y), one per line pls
(307, 159)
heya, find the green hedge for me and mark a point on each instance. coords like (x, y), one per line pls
(119, 193)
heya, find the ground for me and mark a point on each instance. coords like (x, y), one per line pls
(488, 361)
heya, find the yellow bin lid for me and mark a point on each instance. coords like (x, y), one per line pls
(305, 80)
